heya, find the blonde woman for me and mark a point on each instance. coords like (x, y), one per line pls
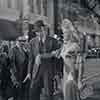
(69, 53)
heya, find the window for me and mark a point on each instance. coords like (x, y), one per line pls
(31, 4)
(38, 3)
(18, 4)
(9, 3)
(45, 7)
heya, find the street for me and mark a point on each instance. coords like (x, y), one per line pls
(92, 66)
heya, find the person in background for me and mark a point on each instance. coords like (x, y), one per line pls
(43, 49)
(5, 81)
(71, 71)
(18, 56)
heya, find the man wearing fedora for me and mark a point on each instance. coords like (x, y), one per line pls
(43, 49)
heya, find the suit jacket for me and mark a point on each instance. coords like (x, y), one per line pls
(50, 45)
(19, 61)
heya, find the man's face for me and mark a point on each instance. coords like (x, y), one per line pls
(41, 32)
(44, 32)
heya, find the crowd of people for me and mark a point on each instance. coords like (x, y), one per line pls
(31, 68)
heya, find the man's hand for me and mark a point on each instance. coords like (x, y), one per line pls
(56, 53)
(27, 77)
(16, 84)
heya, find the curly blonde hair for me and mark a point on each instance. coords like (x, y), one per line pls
(73, 36)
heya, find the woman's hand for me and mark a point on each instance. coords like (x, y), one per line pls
(56, 53)
(80, 85)
(27, 77)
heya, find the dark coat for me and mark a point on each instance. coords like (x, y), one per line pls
(19, 59)
(50, 45)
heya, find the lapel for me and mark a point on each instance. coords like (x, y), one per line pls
(35, 46)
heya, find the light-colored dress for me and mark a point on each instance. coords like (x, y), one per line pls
(69, 53)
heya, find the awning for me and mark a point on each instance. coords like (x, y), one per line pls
(8, 30)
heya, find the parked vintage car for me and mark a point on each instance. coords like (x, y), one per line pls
(93, 53)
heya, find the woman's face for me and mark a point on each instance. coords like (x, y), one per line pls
(66, 33)
(67, 28)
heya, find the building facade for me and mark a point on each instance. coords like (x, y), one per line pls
(42, 9)
(30, 10)
(10, 9)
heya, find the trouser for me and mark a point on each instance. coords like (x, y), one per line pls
(26, 93)
(6, 91)
(34, 93)
(44, 79)
(21, 93)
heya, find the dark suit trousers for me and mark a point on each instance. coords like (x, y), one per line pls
(43, 79)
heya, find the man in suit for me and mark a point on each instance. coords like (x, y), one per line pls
(18, 55)
(43, 49)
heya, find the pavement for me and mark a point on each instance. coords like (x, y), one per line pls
(92, 67)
